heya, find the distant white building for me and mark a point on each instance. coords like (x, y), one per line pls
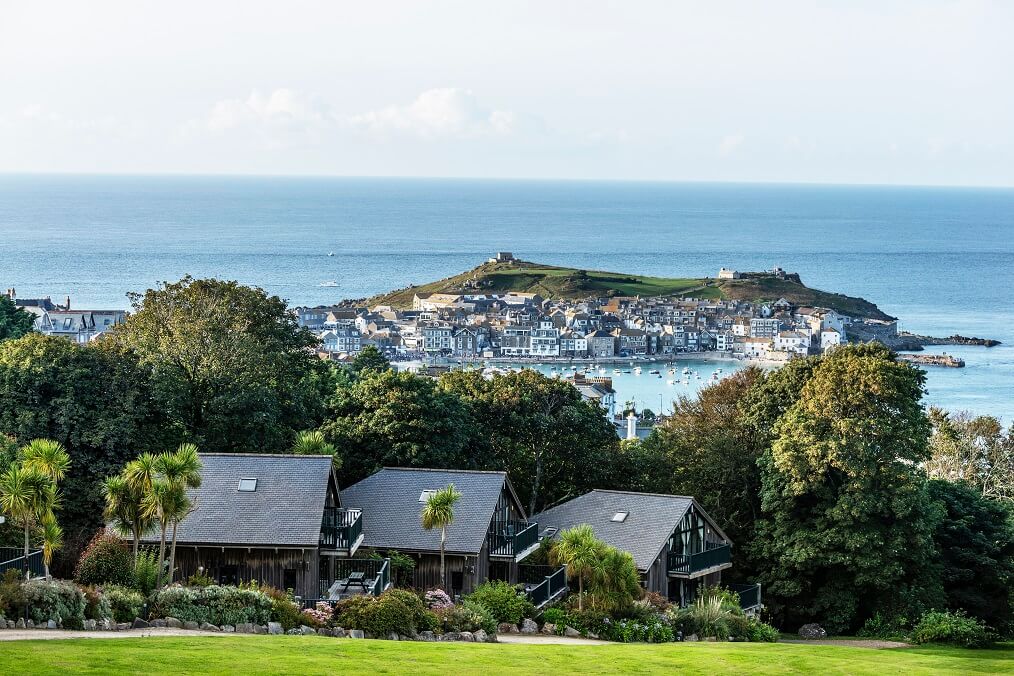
(726, 273)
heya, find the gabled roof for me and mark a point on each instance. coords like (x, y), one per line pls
(391, 508)
(651, 519)
(285, 509)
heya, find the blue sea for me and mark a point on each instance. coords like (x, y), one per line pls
(941, 259)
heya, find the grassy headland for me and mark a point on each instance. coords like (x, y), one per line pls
(320, 655)
(562, 283)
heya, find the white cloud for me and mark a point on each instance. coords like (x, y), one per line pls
(446, 112)
(282, 107)
(729, 144)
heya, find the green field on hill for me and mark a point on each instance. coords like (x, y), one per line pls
(320, 655)
(553, 282)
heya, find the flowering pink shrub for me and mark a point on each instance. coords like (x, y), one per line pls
(437, 599)
(320, 615)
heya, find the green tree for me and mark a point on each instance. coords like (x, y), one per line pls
(579, 550)
(397, 420)
(14, 321)
(29, 495)
(125, 508)
(50, 538)
(976, 544)
(438, 512)
(552, 444)
(711, 453)
(847, 522)
(96, 401)
(369, 360)
(615, 582)
(182, 470)
(230, 365)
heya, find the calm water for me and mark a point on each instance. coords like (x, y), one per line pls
(940, 259)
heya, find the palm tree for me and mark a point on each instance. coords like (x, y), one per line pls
(312, 442)
(157, 505)
(438, 512)
(51, 536)
(125, 508)
(580, 551)
(182, 470)
(615, 583)
(26, 495)
(46, 456)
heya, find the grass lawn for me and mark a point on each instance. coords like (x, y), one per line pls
(319, 655)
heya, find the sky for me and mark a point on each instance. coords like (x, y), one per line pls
(918, 92)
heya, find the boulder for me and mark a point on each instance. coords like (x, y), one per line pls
(467, 636)
(190, 624)
(692, 638)
(481, 637)
(450, 636)
(571, 632)
(245, 628)
(228, 629)
(158, 623)
(292, 632)
(307, 630)
(173, 623)
(20, 623)
(357, 633)
(549, 628)
(339, 632)
(89, 625)
(124, 626)
(30, 624)
(139, 624)
(324, 631)
(11, 624)
(592, 634)
(506, 628)
(209, 627)
(528, 626)
(51, 624)
(108, 624)
(393, 636)
(426, 636)
(274, 628)
(812, 631)
(260, 628)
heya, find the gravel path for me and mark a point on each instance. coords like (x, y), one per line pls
(57, 634)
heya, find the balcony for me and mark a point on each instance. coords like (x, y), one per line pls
(341, 530)
(710, 560)
(13, 558)
(543, 584)
(749, 595)
(513, 539)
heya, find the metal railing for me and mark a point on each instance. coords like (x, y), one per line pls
(749, 595)
(13, 558)
(340, 528)
(513, 537)
(683, 564)
(540, 591)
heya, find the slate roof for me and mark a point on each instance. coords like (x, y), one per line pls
(285, 510)
(651, 519)
(391, 508)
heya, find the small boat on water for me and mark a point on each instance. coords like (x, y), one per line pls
(330, 253)
(653, 372)
(637, 370)
(329, 283)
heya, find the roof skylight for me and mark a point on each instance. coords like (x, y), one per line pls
(247, 485)
(619, 517)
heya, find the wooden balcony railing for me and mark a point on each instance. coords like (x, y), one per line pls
(340, 528)
(512, 538)
(749, 595)
(543, 583)
(13, 558)
(682, 564)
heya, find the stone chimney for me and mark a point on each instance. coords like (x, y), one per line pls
(67, 305)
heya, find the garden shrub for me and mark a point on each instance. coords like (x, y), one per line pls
(318, 616)
(125, 604)
(146, 572)
(436, 599)
(11, 596)
(557, 616)
(106, 560)
(57, 600)
(467, 616)
(656, 630)
(96, 604)
(881, 627)
(955, 628)
(503, 601)
(761, 632)
(484, 619)
(423, 619)
(388, 614)
(215, 604)
(349, 613)
(199, 580)
(284, 610)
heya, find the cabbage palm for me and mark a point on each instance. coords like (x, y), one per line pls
(579, 550)
(438, 512)
(615, 582)
(182, 469)
(47, 457)
(312, 442)
(51, 537)
(125, 508)
(26, 494)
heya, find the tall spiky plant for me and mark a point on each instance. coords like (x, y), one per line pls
(51, 539)
(438, 512)
(125, 508)
(28, 489)
(312, 442)
(580, 551)
(182, 469)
